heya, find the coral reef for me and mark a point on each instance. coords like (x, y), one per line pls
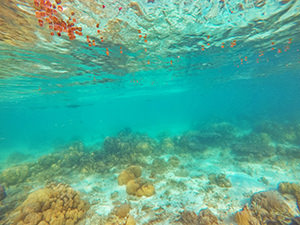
(215, 135)
(2, 193)
(14, 175)
(280, 132)
(205, 217)
(158, 166)
(54, 204)
(220, 180)
(253, 147)
(174, 161)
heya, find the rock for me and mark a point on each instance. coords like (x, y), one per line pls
(220, 180)
(174, 161)
(130, 220)
(122, 211)
(205, 217)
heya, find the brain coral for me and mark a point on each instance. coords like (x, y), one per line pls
(128, 174)
(140, 187)
(53, 205)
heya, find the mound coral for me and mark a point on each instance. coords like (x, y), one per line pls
(54, 204)
(120, 215)
(128, 174)
(140, 187)
(134, 184)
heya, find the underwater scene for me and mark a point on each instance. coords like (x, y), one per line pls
(150, 112)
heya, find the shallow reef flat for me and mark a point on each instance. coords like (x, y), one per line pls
(214, 174)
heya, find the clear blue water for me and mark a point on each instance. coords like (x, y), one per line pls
(205, 63)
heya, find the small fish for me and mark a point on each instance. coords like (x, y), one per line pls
(152, 1)
(103, 6)
(97, 25)
(60, 8)
(41, 22)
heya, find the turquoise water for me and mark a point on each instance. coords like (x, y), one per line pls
(205, 103)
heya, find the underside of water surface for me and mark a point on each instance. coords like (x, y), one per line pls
(150, 112)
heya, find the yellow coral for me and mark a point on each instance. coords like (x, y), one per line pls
(140, 187)
(54, 204)
(128, 174)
